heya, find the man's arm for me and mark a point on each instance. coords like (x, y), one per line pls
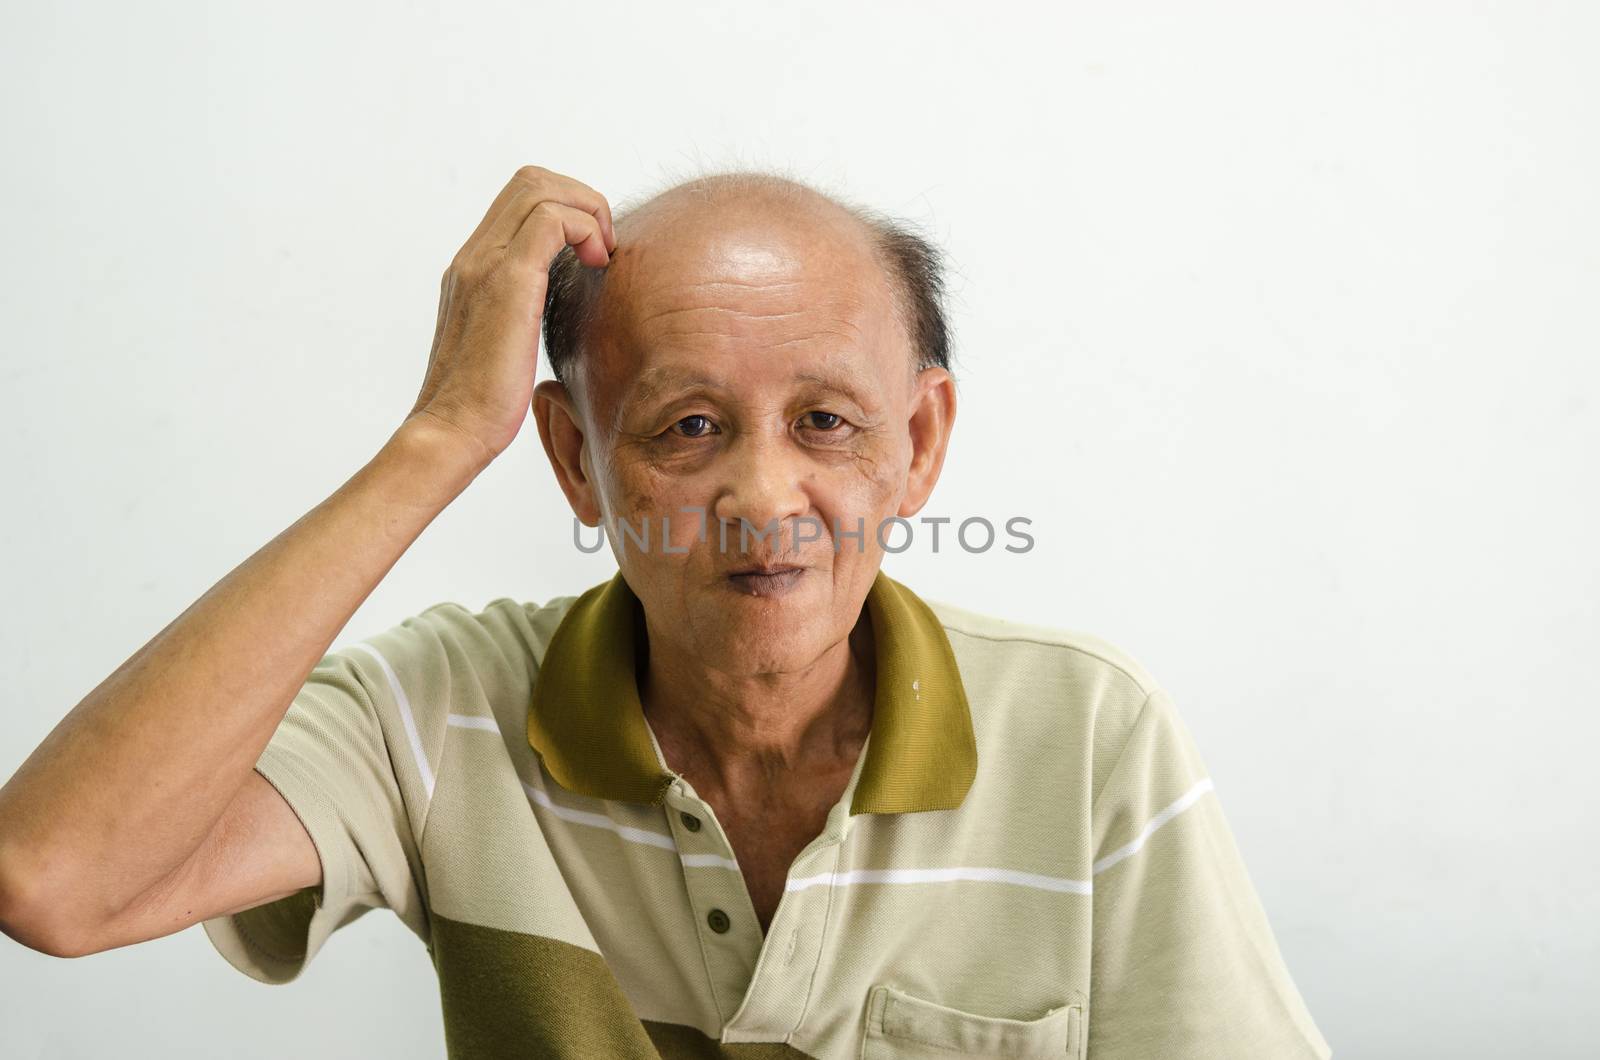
(141, 812)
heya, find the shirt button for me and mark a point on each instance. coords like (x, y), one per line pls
(718, 920)
(690, 821)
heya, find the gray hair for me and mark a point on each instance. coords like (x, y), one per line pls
(913, 262)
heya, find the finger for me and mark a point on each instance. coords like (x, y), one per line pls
(568, 191)
(528, 187)
(551, 226)
(585, 198)
(492, 217)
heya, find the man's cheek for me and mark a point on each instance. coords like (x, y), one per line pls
(872, 486)
(662, 518)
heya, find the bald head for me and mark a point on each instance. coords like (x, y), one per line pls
(726, 219)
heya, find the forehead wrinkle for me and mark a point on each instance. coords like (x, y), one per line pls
(730, 330)
(669, 290)
(662, 314)
(757, 284)
(670, 294)
(843, 313)
(808, 337)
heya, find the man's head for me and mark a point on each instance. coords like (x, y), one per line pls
(772, 357)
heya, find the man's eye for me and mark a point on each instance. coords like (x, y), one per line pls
(829, 420)
(693, 426)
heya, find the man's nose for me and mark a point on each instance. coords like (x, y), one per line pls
(764, 485)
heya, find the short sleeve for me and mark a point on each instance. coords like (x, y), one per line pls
(334, 761)
(1184, 960)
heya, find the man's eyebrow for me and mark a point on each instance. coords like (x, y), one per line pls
(653, 382)
(841, 384)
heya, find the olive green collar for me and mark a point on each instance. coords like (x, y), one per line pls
(586, 722)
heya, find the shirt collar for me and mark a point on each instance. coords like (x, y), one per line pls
(586, 722)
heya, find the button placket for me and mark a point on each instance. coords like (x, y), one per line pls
(780, 988)
(723, 915)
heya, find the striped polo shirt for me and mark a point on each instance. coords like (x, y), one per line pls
(1029, 860)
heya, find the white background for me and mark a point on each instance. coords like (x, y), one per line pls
(1278, 320)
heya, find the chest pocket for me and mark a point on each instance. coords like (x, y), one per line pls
(902, 1027)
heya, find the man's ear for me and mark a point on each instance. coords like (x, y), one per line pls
(933, 415)
(561, 431)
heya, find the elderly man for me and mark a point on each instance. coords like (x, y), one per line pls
(749, 797)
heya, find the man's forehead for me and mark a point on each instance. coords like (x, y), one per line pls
(744, 261)
(704, 289)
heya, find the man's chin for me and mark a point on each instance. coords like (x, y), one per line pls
(763, 620)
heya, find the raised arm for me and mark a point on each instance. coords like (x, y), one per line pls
(140, 813)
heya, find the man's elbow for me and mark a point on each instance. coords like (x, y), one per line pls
(29, 918)
(47, 941)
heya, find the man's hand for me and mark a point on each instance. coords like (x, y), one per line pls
(485, 354)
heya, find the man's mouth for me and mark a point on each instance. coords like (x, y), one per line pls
(764, 580)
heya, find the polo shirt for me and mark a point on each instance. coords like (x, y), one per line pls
(1030, 859)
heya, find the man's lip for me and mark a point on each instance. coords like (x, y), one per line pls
(765, 570)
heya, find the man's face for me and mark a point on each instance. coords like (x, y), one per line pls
(747, 372)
